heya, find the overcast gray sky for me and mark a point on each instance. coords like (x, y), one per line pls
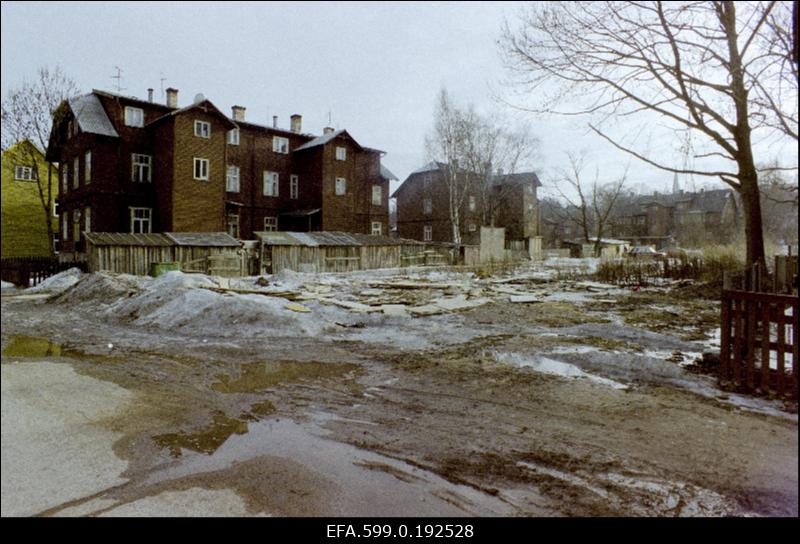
(376, 67)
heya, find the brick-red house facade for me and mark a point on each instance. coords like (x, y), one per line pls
(130, 165)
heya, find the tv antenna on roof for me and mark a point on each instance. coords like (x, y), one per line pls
(163, 79)
(118, 77)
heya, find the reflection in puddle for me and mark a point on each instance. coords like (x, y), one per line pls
(205, 440)
(260, 376)
(31, 346)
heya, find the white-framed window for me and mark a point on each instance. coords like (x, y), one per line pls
(71, 128)
(341, 186)
(270, 223)
(64, 227)
(472, 227)
(141, 168)
(202, 129)
(64, 178)
(341, 154)
(141, 220)
(471, 203)
(87, 219)
(530, 189)
(427, 233)
(377, 228)
(233, 136)
(201, 169)
(427, 206)
(233, 224)
(271, 183)
(87, 167)
(76, 172)
(377, 195)
(280, 144)
(134, 117)
(232, 179)
(24, 173)
(55, 208)
(294, 186)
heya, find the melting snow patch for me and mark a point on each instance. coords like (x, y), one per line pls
(59, 282)
(546, 365)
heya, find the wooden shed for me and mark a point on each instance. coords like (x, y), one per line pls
(215, 253)
(336, 252)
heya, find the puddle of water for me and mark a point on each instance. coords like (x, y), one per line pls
(546, 365)
(207, 440)
(260, 376)
(30, 346)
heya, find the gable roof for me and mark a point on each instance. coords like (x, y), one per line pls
(387, 174)
(521, 178)
(204, 104)
(325, 138)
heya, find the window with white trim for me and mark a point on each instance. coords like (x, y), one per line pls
(233, 136)
(232, 179)
(341, 153)
(141, 220)
(134, 117)
(56, 213)
(76, 225)
(280, 144)
(141, 168)
(64, 178)
(233, 224)
(24, 173)
(294, 186)
(87, 219)
(377, 195)
(270, 223)
(64, 227)
(377, 228)
(202, 129)
(271, 183)
(427, 206)
(471, 203)
(87, 167)
(472, 227)
(341, 186)
(201, 169)
(76, 172)
(427, 233)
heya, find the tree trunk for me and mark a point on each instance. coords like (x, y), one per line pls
(751, 206)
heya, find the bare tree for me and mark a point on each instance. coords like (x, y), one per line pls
(27, 115)
(727, 71)
(591, 207)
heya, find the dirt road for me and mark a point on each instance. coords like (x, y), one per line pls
(563, 407)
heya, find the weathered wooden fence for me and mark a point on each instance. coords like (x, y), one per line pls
(759, 331)
(30, 271)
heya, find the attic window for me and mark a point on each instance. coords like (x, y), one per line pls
(202, 129)
(233, 136)
(341, 154)
(280, 144)
(134, 117)
(24, 173)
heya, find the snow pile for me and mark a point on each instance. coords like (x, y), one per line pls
(546, 365)
(7, 285)
(60, 282)
(101, 288)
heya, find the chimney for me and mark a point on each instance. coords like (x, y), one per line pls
(297, 123)
(327, 130)
(149, 95)
(172, 97)
(274, 121)
(238, 113)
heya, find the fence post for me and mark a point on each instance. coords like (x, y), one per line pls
(725, 338)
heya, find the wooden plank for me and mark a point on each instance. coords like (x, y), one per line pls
(765, 333)
(737, 340)
(750, 344)
(781, 385)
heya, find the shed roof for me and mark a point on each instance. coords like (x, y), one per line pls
(128, 239)
(326, 238)
(203, 239)
(91, 115)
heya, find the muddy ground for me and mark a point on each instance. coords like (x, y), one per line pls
(578, 404)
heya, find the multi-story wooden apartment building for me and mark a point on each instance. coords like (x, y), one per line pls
(507, 200)
(131, 165)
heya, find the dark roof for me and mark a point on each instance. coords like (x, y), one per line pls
(204, 239)
(326, 138)
(272, 129)
(713, 200)
(91, 116)
(128, 239)
(521, 178)
(202, 104)
(132, 99)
